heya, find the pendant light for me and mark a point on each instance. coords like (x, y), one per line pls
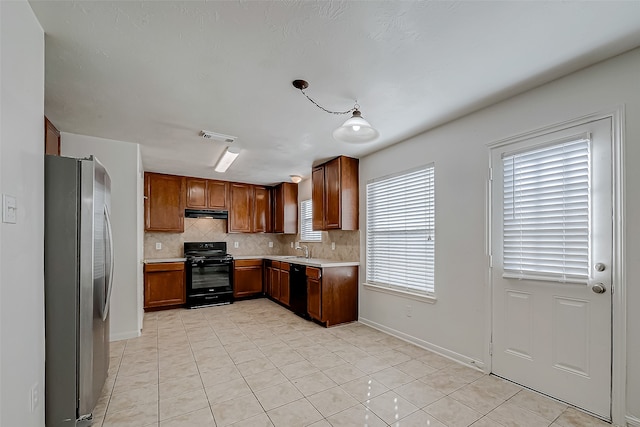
(355, 129)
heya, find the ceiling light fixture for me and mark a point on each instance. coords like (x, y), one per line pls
(296, 179)
(207, 134)
(355, 129)
(228, 157)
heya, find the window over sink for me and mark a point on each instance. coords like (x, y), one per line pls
(400, 232)
(306, 223)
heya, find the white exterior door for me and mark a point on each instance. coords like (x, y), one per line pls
(551, 248)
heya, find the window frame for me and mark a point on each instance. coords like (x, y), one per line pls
(304, 238)
(428, 292)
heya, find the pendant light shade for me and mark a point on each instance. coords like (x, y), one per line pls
(356, 129)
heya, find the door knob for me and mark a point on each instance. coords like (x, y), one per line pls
(599, 266)
(598, 288)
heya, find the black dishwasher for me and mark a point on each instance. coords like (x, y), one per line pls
(298, 290)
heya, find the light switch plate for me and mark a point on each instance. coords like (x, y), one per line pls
(158, 246)
(9, 208)
(270, 244)
(236, 244)
(333, 246)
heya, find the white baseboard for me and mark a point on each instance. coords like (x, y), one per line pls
(633, 421)
(124, 335)
(460, 358)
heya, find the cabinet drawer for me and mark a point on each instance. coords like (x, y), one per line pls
(314, 273)
(276, 264)
(285, 266)
(247, 263)
(164, 266)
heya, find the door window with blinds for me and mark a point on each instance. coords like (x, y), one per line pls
(306, 223)
(547, 212)
(400, 235)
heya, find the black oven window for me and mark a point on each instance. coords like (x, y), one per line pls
(211, 276)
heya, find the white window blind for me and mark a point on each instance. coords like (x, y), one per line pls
(306, 224)
(546, 212)
(401, 231)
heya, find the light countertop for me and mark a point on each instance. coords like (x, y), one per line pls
(313, 262)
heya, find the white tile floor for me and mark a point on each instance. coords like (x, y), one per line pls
(254, 363)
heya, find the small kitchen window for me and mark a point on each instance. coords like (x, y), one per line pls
(306, 223)
(400, 233)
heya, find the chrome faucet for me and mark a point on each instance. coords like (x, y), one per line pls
(305, 249)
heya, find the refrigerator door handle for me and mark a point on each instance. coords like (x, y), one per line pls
(105, 310)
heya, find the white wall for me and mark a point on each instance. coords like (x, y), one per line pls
(121, 159)
(21, 244)
(456, 322)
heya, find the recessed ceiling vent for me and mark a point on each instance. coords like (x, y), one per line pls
(217, 136)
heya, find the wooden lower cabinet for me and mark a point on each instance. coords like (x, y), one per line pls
(277, 276)
(164, 285)
(332, 294)
(247, 277)
(284, 283)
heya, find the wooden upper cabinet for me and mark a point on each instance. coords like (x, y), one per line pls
(285, 208)
(163, 202)
(335, 195)
(206, 194)
(217, 194)
(241, 200)
(261, 213)
(317, 198)
(51, 138)
(196, 193)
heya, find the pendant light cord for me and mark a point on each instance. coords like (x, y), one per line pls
(355, 107)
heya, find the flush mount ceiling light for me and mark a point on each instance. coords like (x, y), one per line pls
(228, 157)
(296, 179)
(355, 129)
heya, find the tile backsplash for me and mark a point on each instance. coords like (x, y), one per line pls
(215, 230)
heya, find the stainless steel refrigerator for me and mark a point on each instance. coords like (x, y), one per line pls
(78, 271)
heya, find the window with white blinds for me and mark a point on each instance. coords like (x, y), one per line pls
(546, 212)
(401, 231)
(306, 223)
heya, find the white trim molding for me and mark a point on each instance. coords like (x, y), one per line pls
(457, 357)
(633, 421)
(619, 291)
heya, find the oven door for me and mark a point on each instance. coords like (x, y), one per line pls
(208, 277)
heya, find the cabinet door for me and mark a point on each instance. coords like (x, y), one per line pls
(317, 198)
(261, 209)
(217, 194)
(51, 138)
(275, 283)
(196, 193)
(164, 285)
(278, 209)
(241, 196)
(284, 287)
(164, 203)
(314, 298)
(247, 278)
(332, 188)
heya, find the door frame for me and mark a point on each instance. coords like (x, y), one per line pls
(619, 285)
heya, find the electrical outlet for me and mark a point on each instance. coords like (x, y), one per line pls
(408, 310)
(34, 397)
(292, 244)
(333, 246)
(270, 244)
(158, 246)
(236, 245)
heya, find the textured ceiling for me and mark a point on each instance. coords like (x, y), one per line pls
(158, 72)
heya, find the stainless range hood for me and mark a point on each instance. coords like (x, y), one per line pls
(202, 213)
